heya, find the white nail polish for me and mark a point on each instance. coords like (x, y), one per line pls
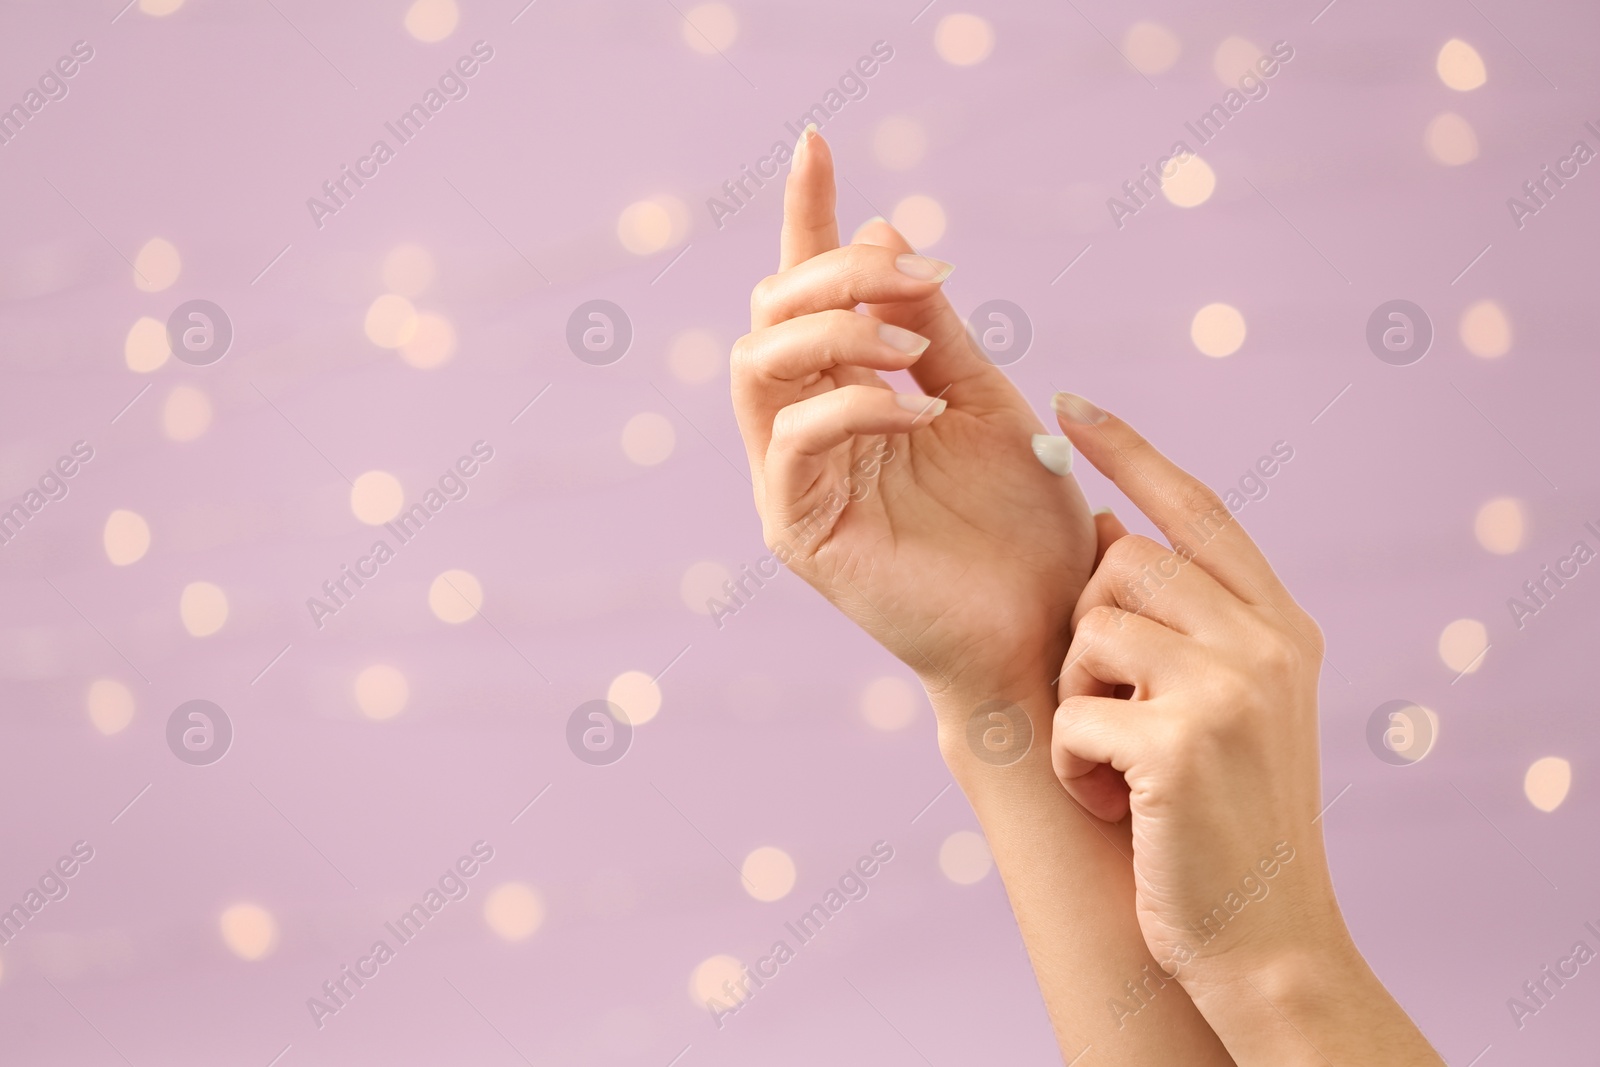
(922, 405)
(1054, 452)
(912, 344)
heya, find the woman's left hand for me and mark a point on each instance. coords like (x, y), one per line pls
(1215, 754)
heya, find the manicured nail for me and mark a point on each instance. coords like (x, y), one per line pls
(855, 238)
(804, 139)
(912, 344)
(1101, 511)
(1054, 452)
(1077, 409)
(922, 405)
(923, 268)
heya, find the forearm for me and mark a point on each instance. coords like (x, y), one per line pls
(1070, 881)
(1312, 1008)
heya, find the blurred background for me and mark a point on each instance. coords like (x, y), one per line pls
(239, 339)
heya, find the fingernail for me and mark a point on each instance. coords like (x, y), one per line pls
(912, 344)
(1101, 511)
(1077, 409)
(803, 139)
(922, 405)
(923, 268)
(855, 238)
(1054, 452)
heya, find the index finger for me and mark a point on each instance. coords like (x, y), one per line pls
(810, 226)
(1186, 510)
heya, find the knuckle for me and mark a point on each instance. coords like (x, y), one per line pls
(761, 296)
(1126, 554)
(1071, 710)
(742, 357)
(785, 426)
(1098, 624)
(1278, 655)
(1198, 497)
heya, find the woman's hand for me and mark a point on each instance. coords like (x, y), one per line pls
(924, 516)
(1214, 754)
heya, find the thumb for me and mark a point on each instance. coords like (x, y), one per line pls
(1092, 741)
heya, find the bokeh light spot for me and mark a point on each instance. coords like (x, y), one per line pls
(1151, 47)
(1460, 67)
(1547, 782)
(768, 873)
(964, 857)
(645, 227)
(249, 931)
(1451, 140)
(432, 20)
(513, 910)
(1217, 330)
(376, 497)
(111, 705)
(433, 343)
(409, 270)
(702, 584)
(637, 694)
(1501, 525)
(889, 703)
(157, 265)
(391, 321)
(710, 979)
(203, 607)
(126, 537)
(1189, 183)
(381, 691)
(696, 356)
(1462, 645)
(1234, 58)
(648, 438)
(963, 39)
(1486, 330)
(186, 414)
(899, 143)
(146, 346)
(455, 596)
(710, 28)
(920, 220)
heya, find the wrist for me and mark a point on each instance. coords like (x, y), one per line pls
(1317, 1002)
(986, 727)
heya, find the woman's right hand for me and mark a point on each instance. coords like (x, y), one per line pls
(924, 516)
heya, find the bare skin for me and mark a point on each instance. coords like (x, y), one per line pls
(931, 523)
(1213, 758)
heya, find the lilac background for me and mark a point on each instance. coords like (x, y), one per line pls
(211, 127)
